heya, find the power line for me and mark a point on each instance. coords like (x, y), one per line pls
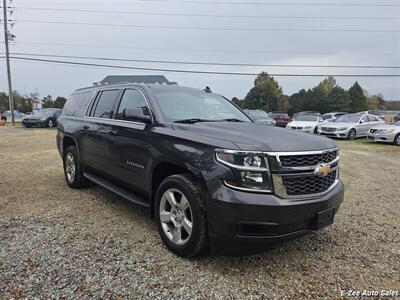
(213, 28)
(276, 3)
(206, 63)
(194, 71)
(208, 15)
(199, 49)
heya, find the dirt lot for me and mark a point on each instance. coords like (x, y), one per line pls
(58, 242)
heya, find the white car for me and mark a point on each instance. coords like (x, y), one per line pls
(350, 126)
(385, 133)
(305, 123)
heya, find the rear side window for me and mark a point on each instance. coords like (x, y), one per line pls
(106, 103)
(132, 99)
(77, 104)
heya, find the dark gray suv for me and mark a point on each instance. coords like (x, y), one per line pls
(212, 178)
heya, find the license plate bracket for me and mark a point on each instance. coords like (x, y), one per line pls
(324, 218)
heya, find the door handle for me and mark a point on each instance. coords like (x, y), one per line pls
(86, 126)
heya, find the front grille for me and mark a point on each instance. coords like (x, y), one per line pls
(294, 127)
(309, 184)
(328, 129)
(307, 160)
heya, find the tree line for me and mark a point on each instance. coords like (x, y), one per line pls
(24, 103)
(327, 96)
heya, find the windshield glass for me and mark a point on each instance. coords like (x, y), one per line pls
(326, 117)
(307, 118)
(184, 104)
(259, 115)
(45, 112)
(349, 118)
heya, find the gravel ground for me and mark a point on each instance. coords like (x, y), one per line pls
(58, 242)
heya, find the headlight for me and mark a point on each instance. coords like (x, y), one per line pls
(342, 128)
(250, 169)
(385, 130)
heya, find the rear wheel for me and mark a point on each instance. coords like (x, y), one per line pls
(352, 134)
(181, 216)
(72, 169)
(397, 140)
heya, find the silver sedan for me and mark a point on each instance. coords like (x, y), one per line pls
(385, 133)
(349, 126)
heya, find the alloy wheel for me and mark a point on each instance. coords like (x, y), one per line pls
(70, 167)
(398, 140)
(176, 216)
(50, 123)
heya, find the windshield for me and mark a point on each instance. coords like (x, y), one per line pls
(177, 105)
(349, 118)
(44, 112)
(307, 118)
(326, 117)
(259, 115)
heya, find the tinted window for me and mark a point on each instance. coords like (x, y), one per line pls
(106, 104)
(132, 99)
(348, 118)
(76, 104)
(364, 119)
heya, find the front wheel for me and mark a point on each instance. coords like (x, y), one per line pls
(50, 123)
(181, 216)
(351, 135)
(397, 140)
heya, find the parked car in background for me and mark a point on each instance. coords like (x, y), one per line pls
(281, 118)
(332, 116)
(17, 114)
(260, 116)
(385, 133)
(350, 126)
(305, 123)
(301, 113)
(3, 119)
(44, 118)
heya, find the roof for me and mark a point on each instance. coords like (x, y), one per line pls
(146, 79)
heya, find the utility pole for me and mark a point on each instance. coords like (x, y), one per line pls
(6, 40)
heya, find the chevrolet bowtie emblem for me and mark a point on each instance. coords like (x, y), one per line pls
(322, 170)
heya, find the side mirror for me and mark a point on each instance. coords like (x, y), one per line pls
(135, 114)
(362, 121)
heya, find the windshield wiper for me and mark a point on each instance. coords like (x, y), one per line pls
(193, 120)
(230, 120)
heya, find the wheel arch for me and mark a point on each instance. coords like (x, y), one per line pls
(68, 141)
(165, 169)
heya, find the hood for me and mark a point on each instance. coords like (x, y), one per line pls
(337, 124)
(303, 123)
(385, 126)
(33, 117)
(255, 136)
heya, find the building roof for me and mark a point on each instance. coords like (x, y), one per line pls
(147, 79)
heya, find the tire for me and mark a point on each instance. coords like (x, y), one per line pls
(352, 134)
(27, 126)
(50, 123)
(173, 220)
(397, 140)
(73, 170)
(316, 130)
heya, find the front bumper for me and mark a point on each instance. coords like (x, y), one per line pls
(385, 138)
(33, 123)
(242, 223)
(337, 134)
(308, 130)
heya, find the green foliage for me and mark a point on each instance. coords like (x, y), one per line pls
(266, 94)
(358, 100)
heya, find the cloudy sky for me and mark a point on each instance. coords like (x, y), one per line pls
(257, 32)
